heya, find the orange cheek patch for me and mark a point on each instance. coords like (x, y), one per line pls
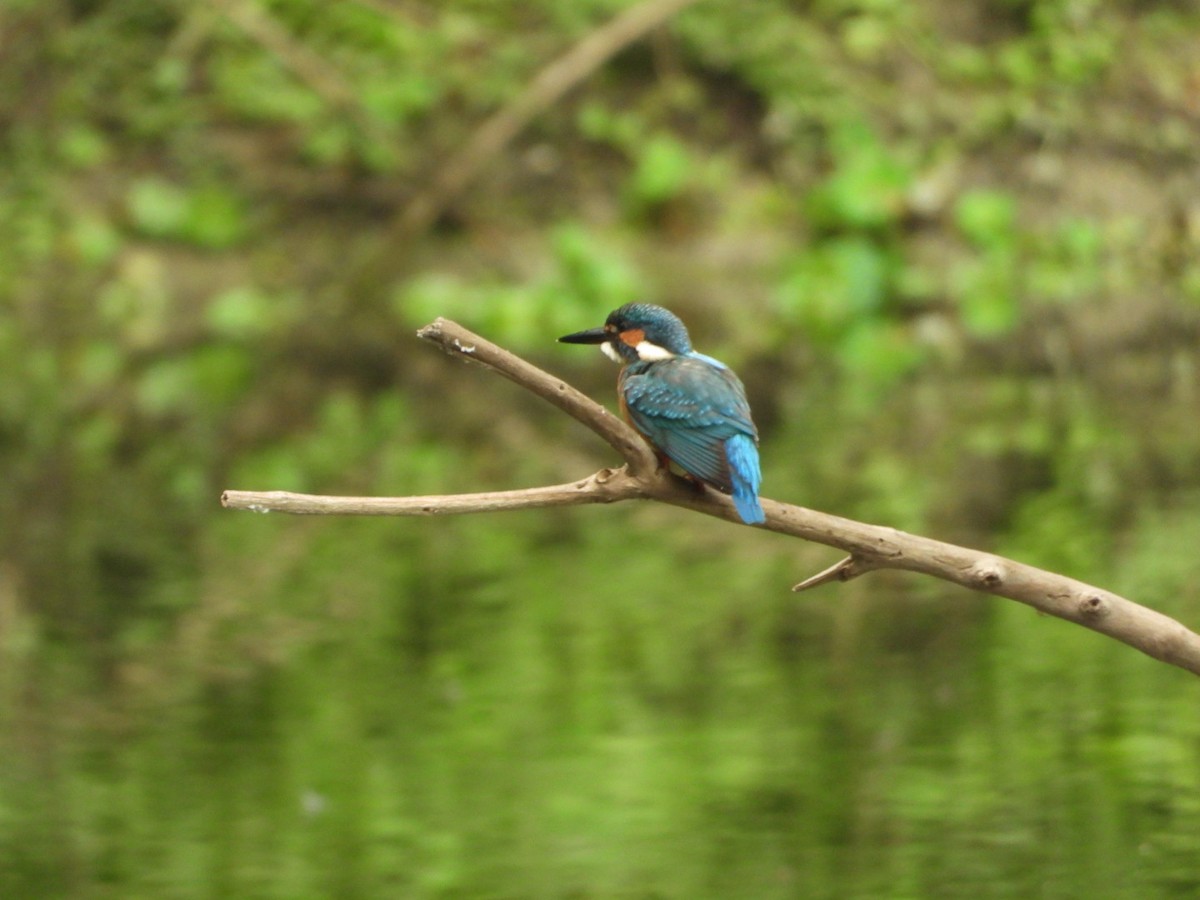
(633, 337)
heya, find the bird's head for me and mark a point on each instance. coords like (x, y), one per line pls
(637, 331)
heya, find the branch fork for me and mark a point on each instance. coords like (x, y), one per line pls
(870, 547)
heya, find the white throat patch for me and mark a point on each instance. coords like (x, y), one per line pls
(648, 352)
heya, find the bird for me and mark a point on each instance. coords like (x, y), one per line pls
(691, 408)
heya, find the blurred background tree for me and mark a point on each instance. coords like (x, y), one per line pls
(953, 250)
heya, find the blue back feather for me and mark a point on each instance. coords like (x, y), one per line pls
(694, 409)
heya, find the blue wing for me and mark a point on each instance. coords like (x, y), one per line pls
(690, 407)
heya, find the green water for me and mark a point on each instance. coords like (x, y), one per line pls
(551, 729)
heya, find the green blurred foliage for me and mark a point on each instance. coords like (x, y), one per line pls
(209, 217)
(951, 248)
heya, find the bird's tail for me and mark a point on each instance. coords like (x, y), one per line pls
(746, 476)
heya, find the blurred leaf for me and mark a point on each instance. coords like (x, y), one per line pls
(256, 87)
(1190, 283)
(171, 75)
(987, 296)
(878, 353)
(987, 218)
(240, 312)
(988, 313)
(864, 268)
(167, 386)
(216, 217)
(95, 239)
(136, 303)
(1020, 63)
(329, 143)
(220, 374)
(662, 171)
(424, 298)
(1068, 265)
(99, 365)
(278, 467)
(209, 216)
(95, 438)
(589, 279)
(865, 36)
(83, 147)
(867, 187)
(158, 208)
(398, 99)
(590, 270)
(379, 155)
(624, 130)
(835, 285)
(1055, 531)
(966, 61)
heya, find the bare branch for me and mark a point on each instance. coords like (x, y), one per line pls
(547, 87)
(870, 546)
(843, 570)
(457, 341)
(310, 68)
(606, 486)
(326, 81)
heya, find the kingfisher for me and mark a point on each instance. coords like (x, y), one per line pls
(691, 408)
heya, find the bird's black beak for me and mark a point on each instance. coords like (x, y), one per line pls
(591, 336)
